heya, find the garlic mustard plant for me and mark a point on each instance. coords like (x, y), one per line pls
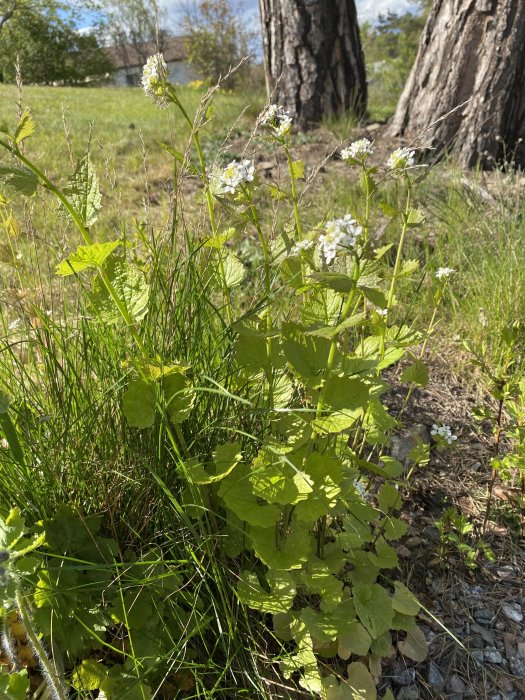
(155, 80)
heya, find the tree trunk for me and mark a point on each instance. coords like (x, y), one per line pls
(313, 58)
(470, 50)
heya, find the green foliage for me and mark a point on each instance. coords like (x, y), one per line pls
(43, 36)
(216, 39)
(390, 47)
(249, 426)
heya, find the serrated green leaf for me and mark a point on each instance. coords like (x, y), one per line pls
(236, 492)
(373, 607)
(385, 556)
(415, 645)
(361, 682)
(131, 288)
(388, 498)
(414, 217)
(277, 481)
(26, 127)
(138, 404)
(332, 331)
(388, 210)
(404, 601)
(226, 457)
(382, 645)
(353, 639)
(334, 280)
(376, 296)
(277, 193)
(321, 626)
(292, 550)
(416, 373)
(298, 169)
(179, 396)
(14, 686)
(234, 270)
(83, 193)
(89, 675)
(86, 256)
(20, 179)
(304, 660)
(408, 268)
(278, 600)
(11, 529)
(220, 239)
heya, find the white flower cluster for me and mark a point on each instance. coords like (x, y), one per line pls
(276, 120)
(401, 159)
(340, 234)
(154, 80)
(234, 174)
(444, 432)
(302, 245)
(444, 272)
(358, 150)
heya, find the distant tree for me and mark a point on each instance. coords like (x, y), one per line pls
(390, 47)
(134, 27)
(48, 46)
(313, 57)
(470, 54)
(216, 38)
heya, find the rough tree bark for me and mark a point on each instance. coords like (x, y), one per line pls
(313, 57)
(470, 50)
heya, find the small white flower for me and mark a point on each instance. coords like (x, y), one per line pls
(358, 150)
(443, 432)
(381, 312)
(340, 234)
(4, 444)
(444, 272)
(235, 174)
(154, 80)
(300, 246)
(401, 159)
(276, 121)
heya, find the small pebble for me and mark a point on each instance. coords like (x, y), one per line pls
(477, 655)
(455, 684)
(403, 552)
(435, 678)
(413, 542)
(403, 675)
(512, 611)
(517, 665)
(492, 655)
(476, 642)
(410, 692)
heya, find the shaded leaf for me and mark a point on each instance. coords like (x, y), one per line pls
(83, 191)
(131, 288)
(86, 256)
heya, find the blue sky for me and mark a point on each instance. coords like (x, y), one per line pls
(368, 10)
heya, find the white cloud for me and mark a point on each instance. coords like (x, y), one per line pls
(368, 10)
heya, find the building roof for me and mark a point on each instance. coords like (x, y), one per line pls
(128, 56)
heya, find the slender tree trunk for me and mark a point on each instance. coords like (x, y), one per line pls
(313, 57)
(470, 50)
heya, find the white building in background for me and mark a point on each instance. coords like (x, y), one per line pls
(128, 61)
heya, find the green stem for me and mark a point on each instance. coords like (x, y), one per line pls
(209, 201)
(268, 289)
(50, 673)
(397, 264)
(333, 347)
